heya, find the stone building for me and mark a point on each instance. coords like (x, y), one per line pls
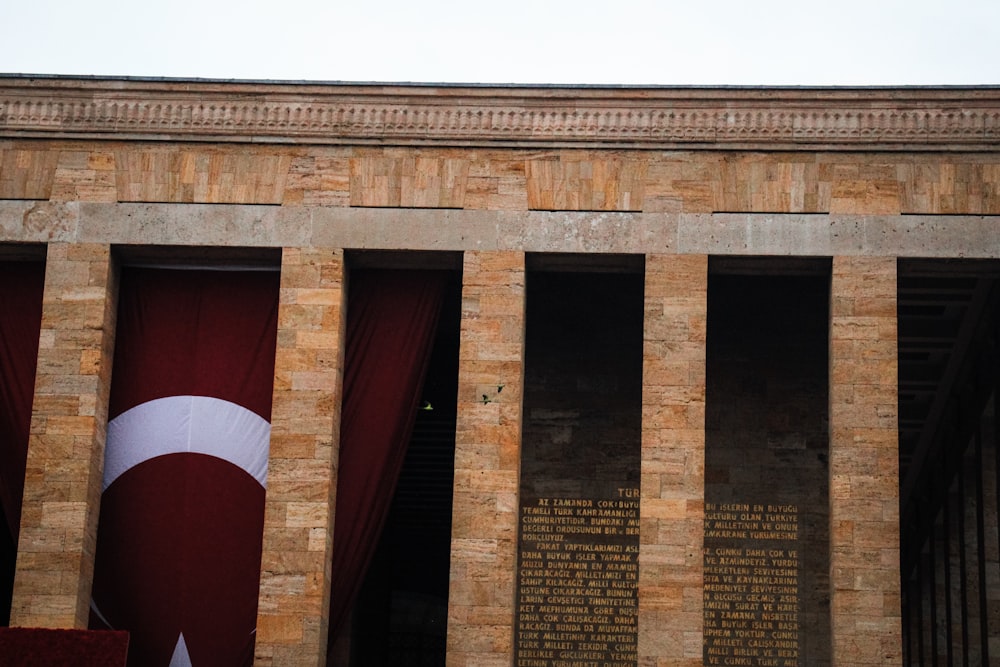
(712, 382)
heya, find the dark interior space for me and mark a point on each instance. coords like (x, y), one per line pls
(949, 369)
(580, 449)
(400, 617)
(767, 423)
(583, 383)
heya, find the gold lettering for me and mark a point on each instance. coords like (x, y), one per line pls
(578, 575)
(750, 583)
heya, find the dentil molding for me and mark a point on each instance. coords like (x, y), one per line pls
(513, 116)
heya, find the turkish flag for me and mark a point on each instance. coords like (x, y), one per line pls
(182, 510)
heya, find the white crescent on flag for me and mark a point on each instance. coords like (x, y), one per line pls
(195, 424)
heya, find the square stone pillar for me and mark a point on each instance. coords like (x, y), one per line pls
(487, 462)
(62, 486)
(864, 460)
(294, 603)
(672, 504)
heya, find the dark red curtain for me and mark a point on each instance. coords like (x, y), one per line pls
(391, 321)
(21, 285)
(179, 537)
(45, 647)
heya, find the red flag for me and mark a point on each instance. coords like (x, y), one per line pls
(179, 538)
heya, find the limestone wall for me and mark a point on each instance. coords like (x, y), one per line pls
(503, 179)
(95, 169)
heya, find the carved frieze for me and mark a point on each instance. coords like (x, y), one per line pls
(657, 118)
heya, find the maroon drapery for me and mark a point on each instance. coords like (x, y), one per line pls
(202, 332)
(21, 285)
(391, 321)
(179, 537)
(50, 647)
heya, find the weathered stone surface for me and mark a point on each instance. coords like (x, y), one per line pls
(922, 119)
(672, 504)
(484, 523)
(409, 181)
(85, 175)
(864, 545)
(194, 224)
(294, 603)
(26, 172)
(568, 182)
(200, 175)
(66, 447)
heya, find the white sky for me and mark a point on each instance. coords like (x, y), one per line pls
(665, 42)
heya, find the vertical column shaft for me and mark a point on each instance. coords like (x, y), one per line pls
(62, 486)
(672, 505)
(487, 461)
(294, 600)
(864, 461)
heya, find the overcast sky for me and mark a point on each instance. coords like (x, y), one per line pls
(665, 42)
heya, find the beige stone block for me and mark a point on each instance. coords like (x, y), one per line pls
(68, 515)
(280, 629)
(315, 380)
(288, 446)
(306, 515)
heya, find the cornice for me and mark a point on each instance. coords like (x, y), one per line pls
(912, 119)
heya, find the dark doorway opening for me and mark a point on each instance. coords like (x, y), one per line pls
(583, 383)
(580, 460)
(766, 455)
(400, 616)
(949, 471)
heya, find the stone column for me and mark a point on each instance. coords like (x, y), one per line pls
(487, 462)
(294, 603)
(62, 486)
(864, 477)
(672, 504)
